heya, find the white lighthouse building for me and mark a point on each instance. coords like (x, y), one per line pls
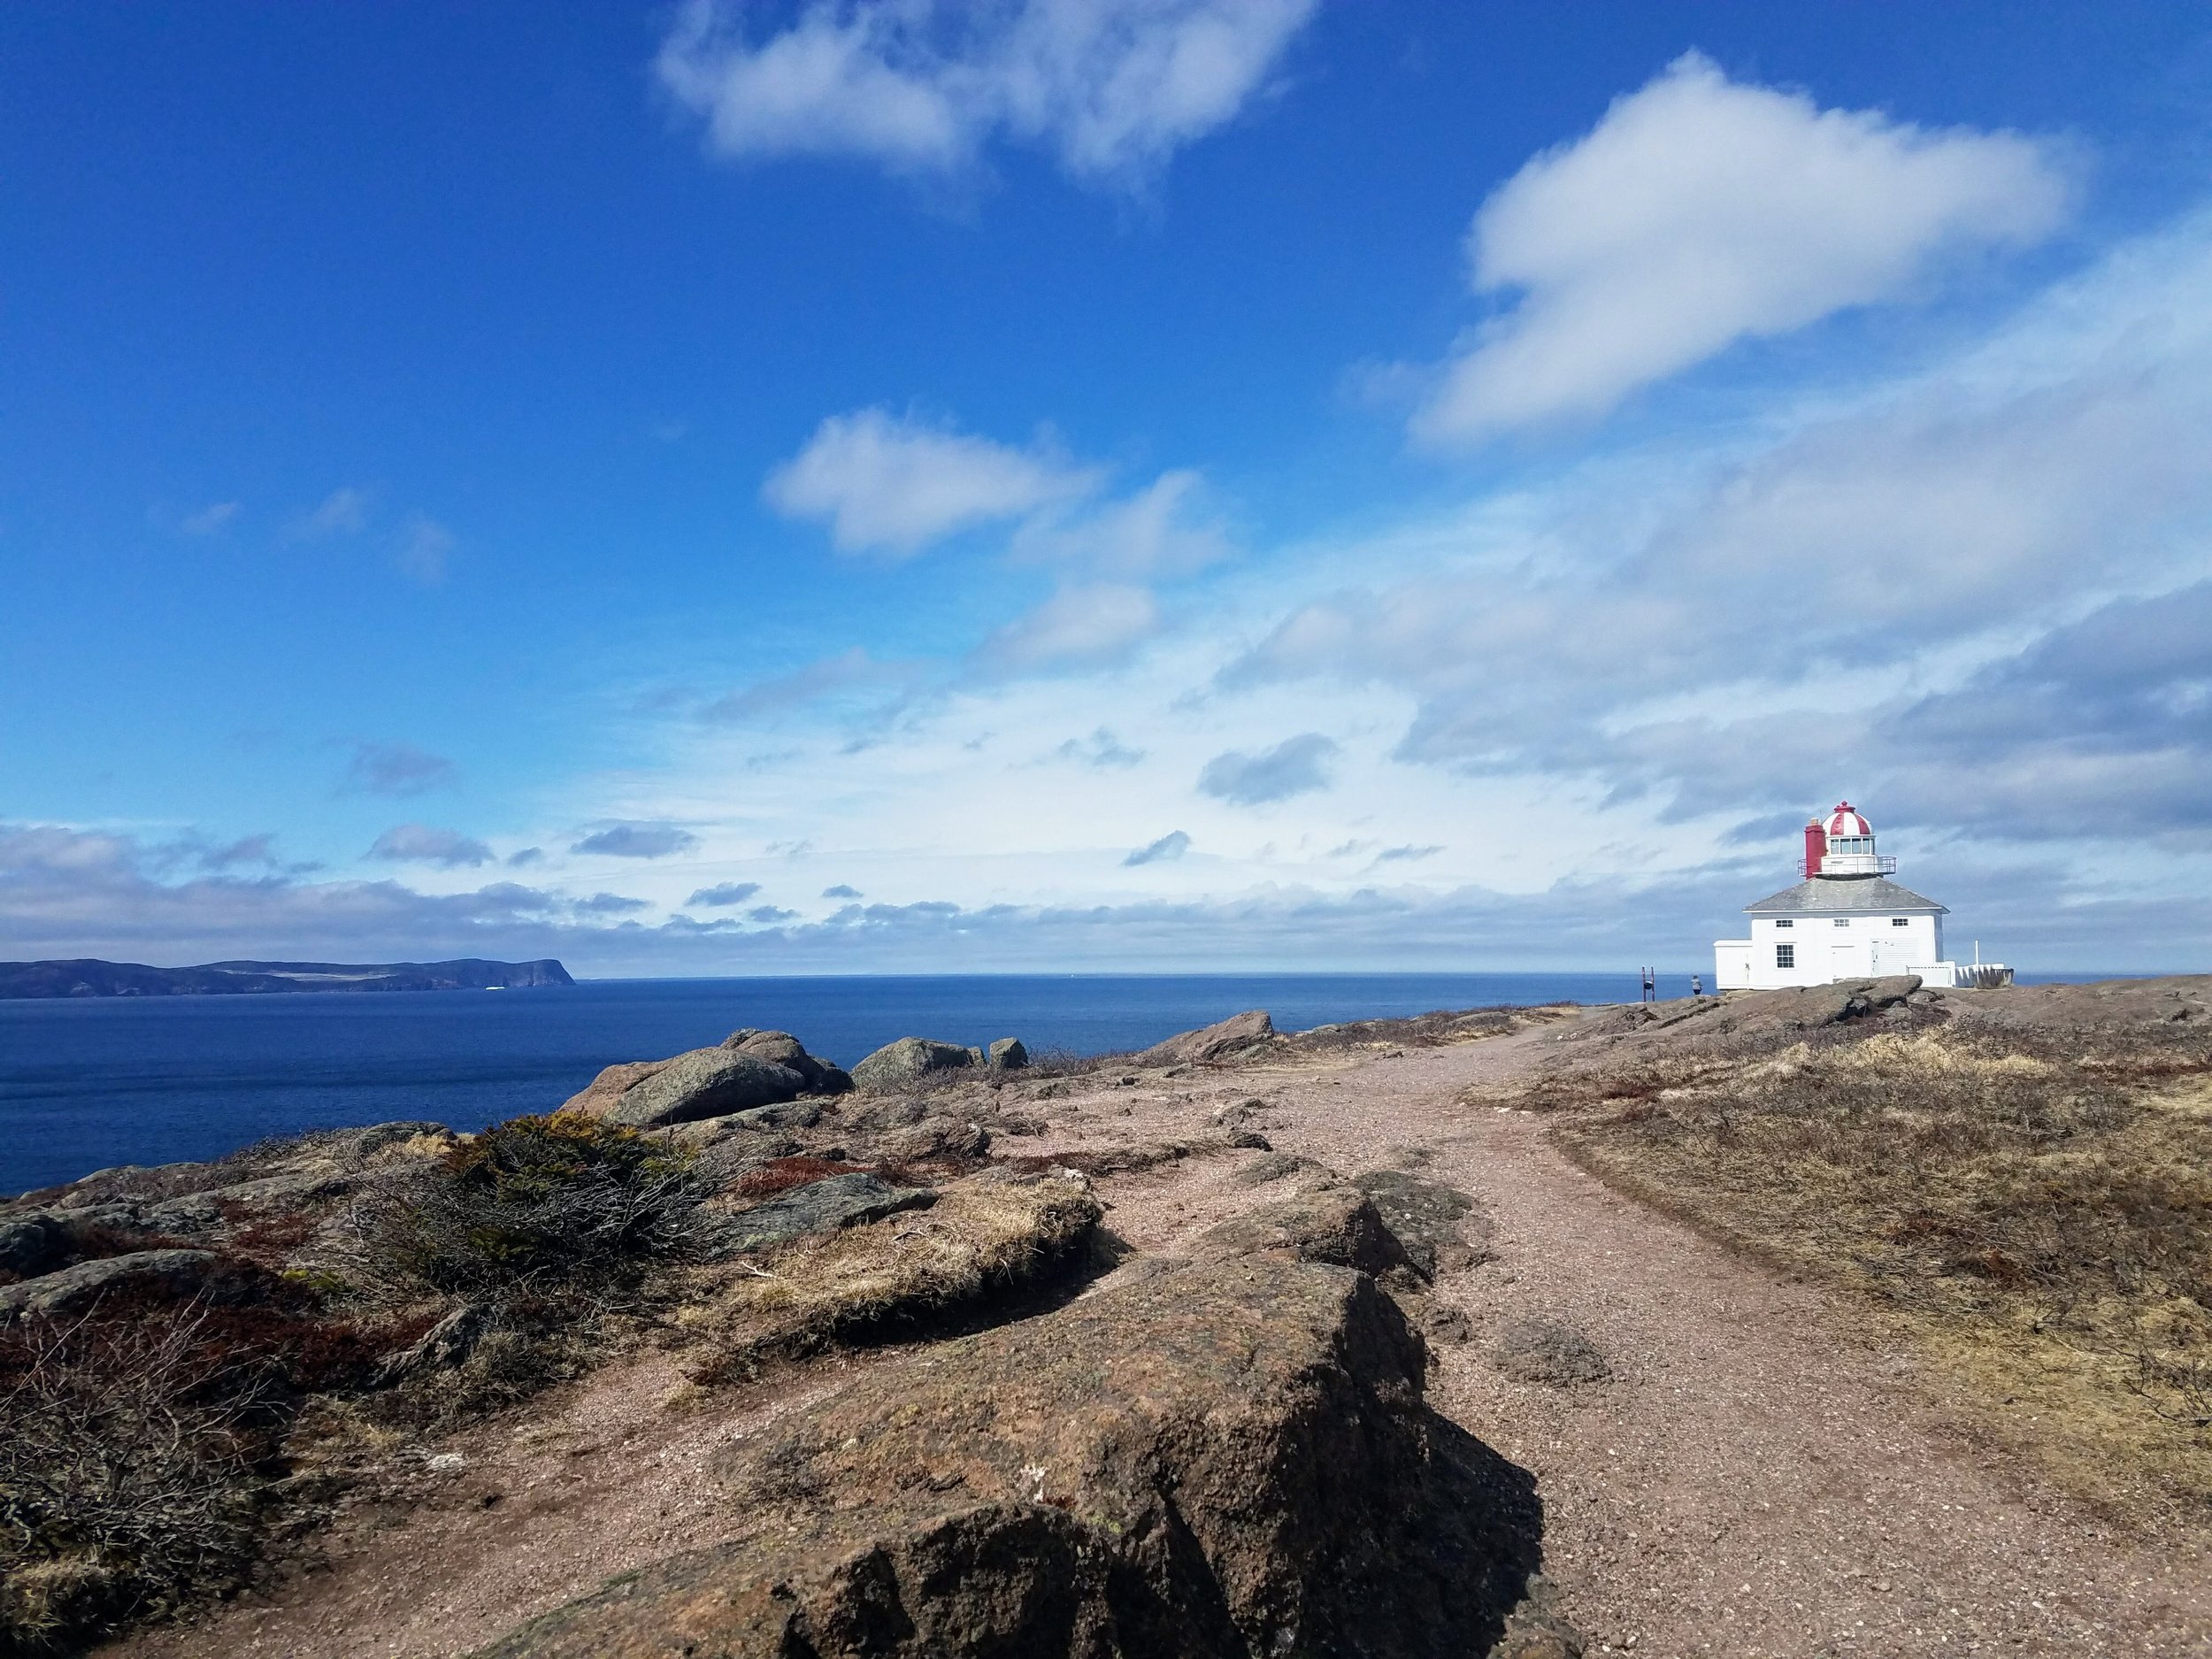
(1847, 920)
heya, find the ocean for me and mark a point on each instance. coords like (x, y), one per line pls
(86, 1084)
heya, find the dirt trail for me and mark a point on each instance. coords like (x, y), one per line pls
(1760, 1476)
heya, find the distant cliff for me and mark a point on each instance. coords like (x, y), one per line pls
(90, 977)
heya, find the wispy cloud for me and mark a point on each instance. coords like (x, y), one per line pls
(852, 669)
(1702, 212)
(637, 840)
(344, 511)
(209, 519)
(1407, 854)
(610, 905)
(1101, 749)
(424, 547)
(247, 849)
(724, 893)
(420, 843)
(1114, 87)
(1077, 627)
(892, 484)
(1174, 844)
(1297, 766)
(842, 891)
(398, 769)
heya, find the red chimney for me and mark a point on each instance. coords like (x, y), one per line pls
(1816, 849)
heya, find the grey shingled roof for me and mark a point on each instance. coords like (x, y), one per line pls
(1822, 893)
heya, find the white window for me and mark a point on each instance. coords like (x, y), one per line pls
(1843, 921)
(1786, 922)
(1901, 921)
(1786, 956)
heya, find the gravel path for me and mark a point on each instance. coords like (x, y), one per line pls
(1759, 1477)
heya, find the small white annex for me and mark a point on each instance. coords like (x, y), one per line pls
(1846, 921)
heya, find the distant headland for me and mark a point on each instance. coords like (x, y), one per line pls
(86, 977)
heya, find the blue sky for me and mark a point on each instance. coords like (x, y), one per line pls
(1098, 483)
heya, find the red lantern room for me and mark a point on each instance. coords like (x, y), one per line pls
(1846, 846)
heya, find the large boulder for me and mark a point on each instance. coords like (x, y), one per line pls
(903, 1063)
(1227, 1459)
(74, 1288)
(1008, 1054)
(34, 1242)
(823, 1206)
(1232, 1039)
(599, 1095)
(783, 1048)
(705, 1083)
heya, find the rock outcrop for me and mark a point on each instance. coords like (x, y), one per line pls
(823, 1206)
(618, 1092)
(705, 1083)
(72, 1289)
(1235, 1038)
(1231, 1458)
(1008, 1054)
(598, 1096)
(903, 1063)
(785, 1049)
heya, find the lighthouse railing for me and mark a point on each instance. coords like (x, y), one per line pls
(1855, 865)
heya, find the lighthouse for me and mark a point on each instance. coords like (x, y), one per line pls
(1846, 921)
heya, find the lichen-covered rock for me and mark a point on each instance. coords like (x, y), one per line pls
(1230, 1459)
(1237, 1037)
(705, 1083)
(1008, 1054)
(905, 1062)
(823, 1205)
(73, 1288)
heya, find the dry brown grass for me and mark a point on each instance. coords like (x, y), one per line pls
(2038, 1213)
(983, 1237)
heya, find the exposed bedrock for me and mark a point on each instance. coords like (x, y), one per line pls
(1228, 1458)
(1239, 1036)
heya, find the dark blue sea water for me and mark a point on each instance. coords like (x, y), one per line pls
(87, 1084)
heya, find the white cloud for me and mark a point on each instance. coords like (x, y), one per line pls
(1164, 529)
(888, 484)
(1701, 212)
(1076, 627)
(1114, 86)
